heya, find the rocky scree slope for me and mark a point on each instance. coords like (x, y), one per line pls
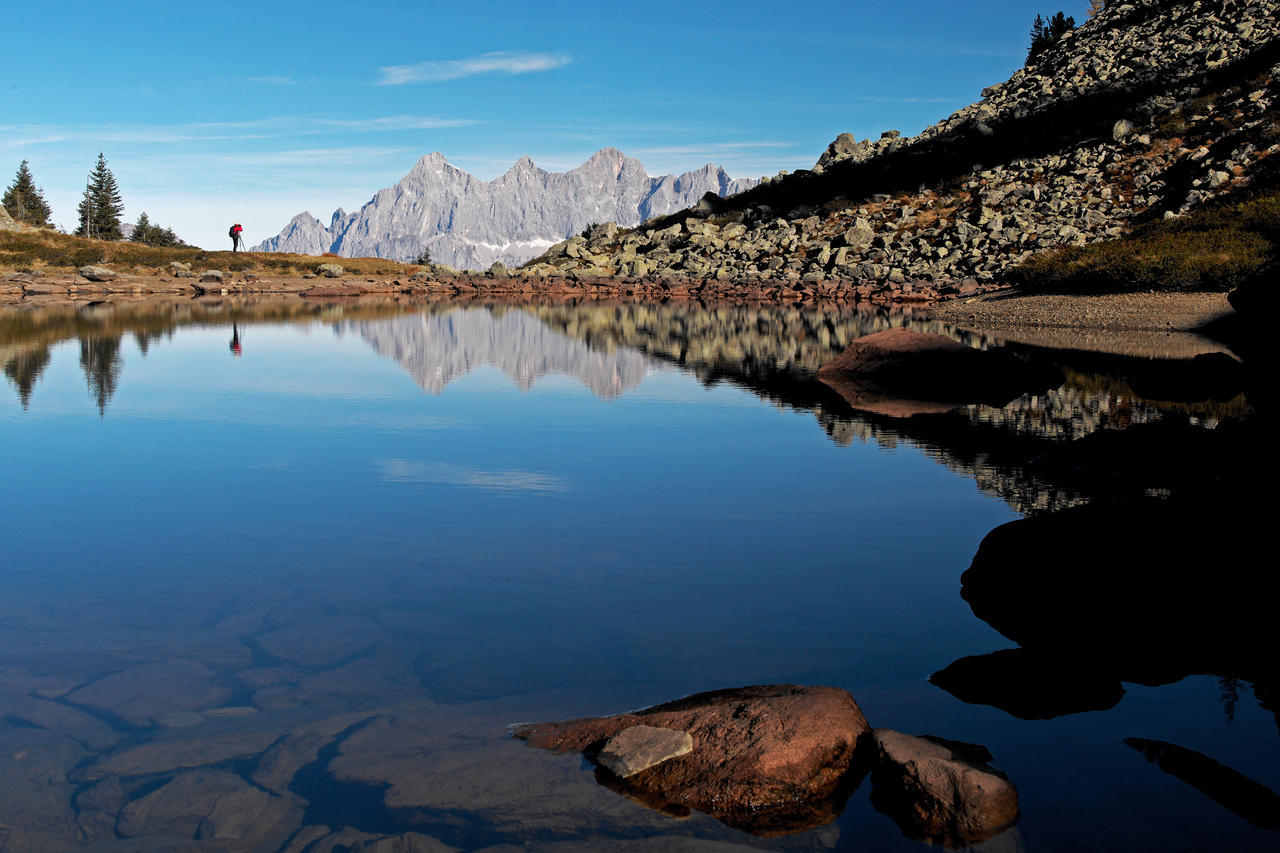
(1151, 109)
(467, 223)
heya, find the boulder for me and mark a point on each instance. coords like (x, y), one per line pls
(940, 791)
(211, 277)
(95, 273)
(769, 759)
(900, 373)
(842, 147)
(329, 270)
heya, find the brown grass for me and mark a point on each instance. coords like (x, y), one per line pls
(49, 250)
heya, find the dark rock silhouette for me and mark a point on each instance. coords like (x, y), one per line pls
(1149, 585)
(1230, 789)
(1140, 590)
(1031, 685)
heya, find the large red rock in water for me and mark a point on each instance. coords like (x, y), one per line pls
(768, 759)
(941, 791)
(900, 373)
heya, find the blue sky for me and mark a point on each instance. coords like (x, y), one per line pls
(215, 112)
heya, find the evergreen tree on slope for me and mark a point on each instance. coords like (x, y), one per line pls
(101, 206)
(25, 201)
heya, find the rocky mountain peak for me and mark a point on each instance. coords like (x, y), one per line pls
(470, 224)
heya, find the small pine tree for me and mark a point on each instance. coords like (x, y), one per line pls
(25, 201)
(85, 211)
(424, 257)
(1045, 33)
(101, 207)
(1060, 24)
(143, 230)
(1097, 7)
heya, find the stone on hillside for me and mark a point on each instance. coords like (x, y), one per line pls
(179, 266)
(857, 237)
(603, 231)
(939, 791)
(212, 277)
(769, 759)
(6, 221)
(641, 747)
(95, 273)
(329, 270)
(1121, 130)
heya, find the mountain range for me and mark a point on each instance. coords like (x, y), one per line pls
(468, 223)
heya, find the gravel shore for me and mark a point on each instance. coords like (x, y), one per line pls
(1151, 325)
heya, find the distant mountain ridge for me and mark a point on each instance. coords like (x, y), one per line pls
(469, 223)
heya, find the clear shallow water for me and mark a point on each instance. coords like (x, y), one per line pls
(420, 525)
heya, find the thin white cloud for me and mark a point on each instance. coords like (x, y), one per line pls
(268, 128)
(498, 62)
(278, 80)
(411, 471)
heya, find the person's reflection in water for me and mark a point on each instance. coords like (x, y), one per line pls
(235, 341)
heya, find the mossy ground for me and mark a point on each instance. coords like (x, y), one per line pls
(1213, 249)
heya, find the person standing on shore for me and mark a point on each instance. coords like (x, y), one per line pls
(234, 234)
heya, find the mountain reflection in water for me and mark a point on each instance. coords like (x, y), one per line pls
(773, 351)
(232, 630)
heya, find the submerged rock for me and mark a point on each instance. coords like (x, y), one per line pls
(941, 791)
(768, 759)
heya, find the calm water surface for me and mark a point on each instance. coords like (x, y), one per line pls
(274, 567)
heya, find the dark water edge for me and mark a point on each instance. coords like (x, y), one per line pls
(294, 584)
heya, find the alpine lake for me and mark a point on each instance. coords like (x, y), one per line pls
(279, 574)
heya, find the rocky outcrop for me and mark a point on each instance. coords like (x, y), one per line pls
(1151, 109)
(467, 223)
(941, 791)
(768, 759)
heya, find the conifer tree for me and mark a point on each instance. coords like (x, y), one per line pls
(101, 207)
(142, 231)
(25, 201)
(1045, 33)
